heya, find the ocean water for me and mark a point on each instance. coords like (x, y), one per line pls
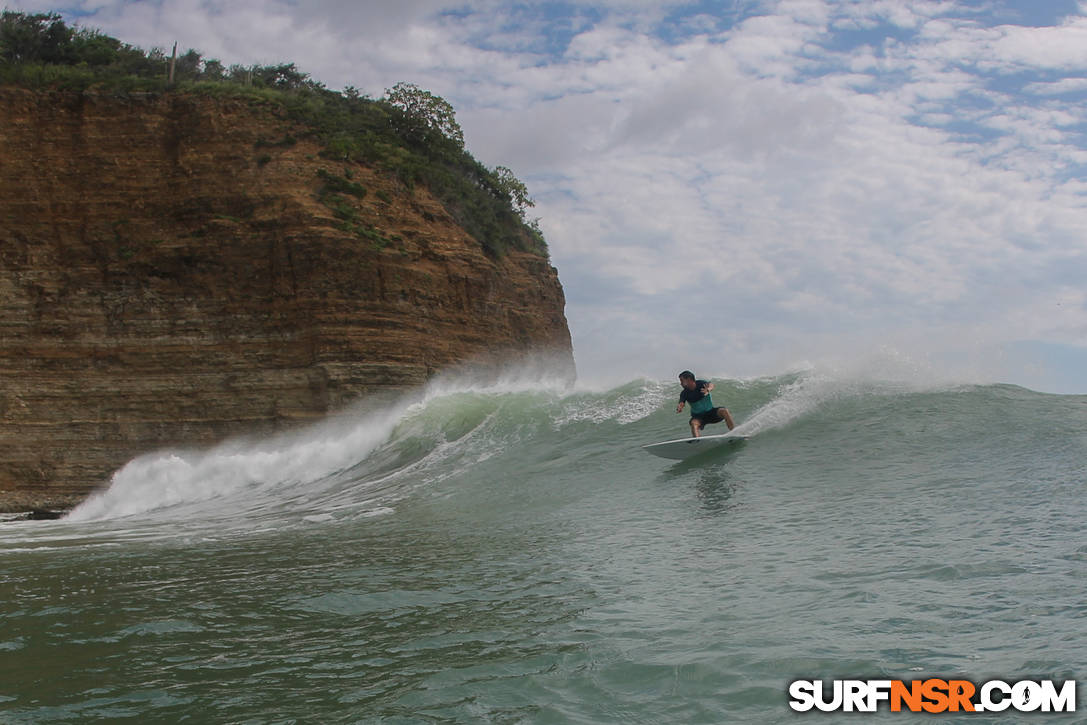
(509, 554)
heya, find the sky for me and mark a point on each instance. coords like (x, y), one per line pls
(745, 187)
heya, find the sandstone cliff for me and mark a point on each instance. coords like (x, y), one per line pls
(173, 272)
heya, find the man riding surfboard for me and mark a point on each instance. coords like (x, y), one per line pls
(703, 413)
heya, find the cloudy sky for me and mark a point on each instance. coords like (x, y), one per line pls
(745, 186)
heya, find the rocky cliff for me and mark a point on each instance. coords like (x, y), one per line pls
(176, 269)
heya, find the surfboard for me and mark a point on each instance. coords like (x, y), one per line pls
(687, 447)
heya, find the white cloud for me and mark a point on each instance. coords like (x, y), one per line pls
(1007, 48)
(1056, 88)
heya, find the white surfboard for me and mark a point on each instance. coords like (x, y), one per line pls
(687, 447)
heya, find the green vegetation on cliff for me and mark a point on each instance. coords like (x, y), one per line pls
(409, 132)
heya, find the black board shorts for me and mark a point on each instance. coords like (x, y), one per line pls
(710, 416)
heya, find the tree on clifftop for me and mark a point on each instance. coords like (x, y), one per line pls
(513, 188)
(41, 38)
(424, 113)
(45, 39)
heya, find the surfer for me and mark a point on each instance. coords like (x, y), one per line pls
(703, 413)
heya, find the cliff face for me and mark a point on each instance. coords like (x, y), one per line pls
(174, 270)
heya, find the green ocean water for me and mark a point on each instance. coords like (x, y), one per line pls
(509, 554)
